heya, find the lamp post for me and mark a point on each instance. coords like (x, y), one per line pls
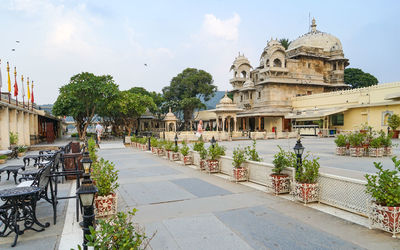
(298, 150)
(176, 139)
(213, 141)
(86, 193)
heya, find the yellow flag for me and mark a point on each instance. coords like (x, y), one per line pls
(8, 79)
(29, 92)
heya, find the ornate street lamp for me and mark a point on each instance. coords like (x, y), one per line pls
(86, 193)
(176, 139)
(213, 141)
(298, 150)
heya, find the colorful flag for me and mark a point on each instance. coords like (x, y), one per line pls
(22, 85)
(1, 78)
(32, 98)
(15, 84)
(29, 93)
(9, 80)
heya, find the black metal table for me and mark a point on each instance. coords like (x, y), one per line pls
(12, 169)
(28, 174)
(19, 206)
(36, 158)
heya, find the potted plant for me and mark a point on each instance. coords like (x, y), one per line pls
(384, 187)
(356, 140)
(376, 148)
(22, 150)
(154, 145)
(203, 157)
(214, 152)
(117, 232)
(105, 178)
(3, 159)
(394, 123)
(168, 147)
(306, 187)
(133, 138)
(143, 141)
(187, 159)
(199, 145)
(13, 138)
(160, 148)
(252, 153)
(387, 143)
(175, 154)
(240, 172)
(280, 181)
(340, 142)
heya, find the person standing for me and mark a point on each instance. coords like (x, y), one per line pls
(99, 130)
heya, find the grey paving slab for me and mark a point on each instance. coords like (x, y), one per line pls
(162, 238)
(200, 188)
(33, 244)
(265, 228)
(147, 171)
(203, 232)
(156, 192)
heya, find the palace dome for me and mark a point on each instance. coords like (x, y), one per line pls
(248, 84)
(226, 100)
(170, 116)
(317, 39)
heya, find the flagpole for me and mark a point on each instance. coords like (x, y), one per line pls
(9, 83)
(15, 84)
(23, 97)
(29, 93)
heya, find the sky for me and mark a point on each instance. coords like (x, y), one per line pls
(61, 38)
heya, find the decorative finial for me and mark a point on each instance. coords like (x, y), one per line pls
(22, 78)
(170, 109)
(8, 67)
(15, 71)
(226, 93)
(313, 25)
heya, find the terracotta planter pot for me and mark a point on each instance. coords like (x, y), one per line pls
(154, 150)
(356, 151)
(187, 160)
(240, 174)
(105, 205)
(213, 166)
(2, 161)
(395, 134)
(363, 131)
(175, 156)
(280, 183)
(21, 154)
(203, 164)
(347, 146)
(168, 154)
(306, 192)
(376, 152)
(387, 151)
(385, 218)
(341, 150)
(160, 152)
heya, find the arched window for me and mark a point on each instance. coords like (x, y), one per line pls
(386, 119)
(277, 63)
(235, 74)
(243, 74)
(267, 63)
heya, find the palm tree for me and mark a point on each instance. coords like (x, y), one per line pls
(285, 43)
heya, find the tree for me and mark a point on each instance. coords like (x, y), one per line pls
(186, 88)
(357, 78)
(285, 43)
(158, 99)
(83, 96)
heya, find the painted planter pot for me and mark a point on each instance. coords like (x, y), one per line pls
(203, 164)
(154, 150)
(356, 152)
(175, 156)
(280, 183)
(168, 154)
(213, 166)
(240, 174)
(388, 151)
(105, 205)
(385, 218)
(160, 152)
(21, 154)
(187, 160)
(341, 150)
(376, 152)
(306, 192)
(2, 161)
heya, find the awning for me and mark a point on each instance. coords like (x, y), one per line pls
(314, 114)
(392, 96)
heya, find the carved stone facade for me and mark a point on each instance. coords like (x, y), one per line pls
(313, 63)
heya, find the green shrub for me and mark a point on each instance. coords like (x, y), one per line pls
(22, 149)
(153, 142)
(394, 121)
(384, 186)
(238, 157)
(74, 135)
(308, 172)
(92, 149)
(341, 141)
(175, 149)
(252, 153)
(13, 138)
(215, 151)
(184, 149)
(376, 142)
(283, 160)
(3, 157)
(105, 177)
(168, 145)
(117, 232)
(356, 139)
(133, 138)
(203, 153)
(199, 145)
(386, 139)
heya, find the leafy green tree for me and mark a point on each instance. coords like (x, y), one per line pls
(83, 96)
(285, 43)
(357, 78)
(186, 89)
(158, 99)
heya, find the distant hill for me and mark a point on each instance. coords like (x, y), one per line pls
(212, 103)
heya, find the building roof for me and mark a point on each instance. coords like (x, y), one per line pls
(170, 116)
(313, 114)
(317, 39)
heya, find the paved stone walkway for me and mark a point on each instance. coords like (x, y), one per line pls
(192, 210)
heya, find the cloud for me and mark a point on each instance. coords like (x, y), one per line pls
(225, 29)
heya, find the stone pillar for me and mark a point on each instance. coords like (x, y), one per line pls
(234, 124)
(20, 128)
(244, 123)
(4, 128)
(217, 123)
(223, 124)
(229, 124)
(13, 120)
(27, 134)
